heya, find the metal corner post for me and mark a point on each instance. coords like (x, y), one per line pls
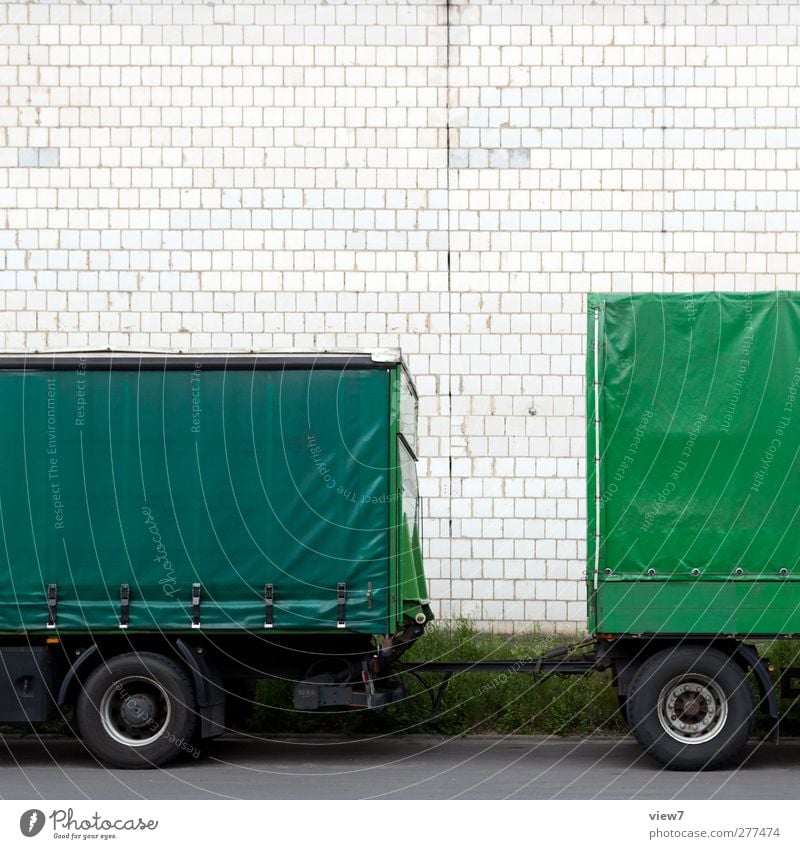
(597, 493)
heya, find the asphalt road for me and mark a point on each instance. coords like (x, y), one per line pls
(417, 767)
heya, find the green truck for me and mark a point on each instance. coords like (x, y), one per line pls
(178, 526)
(693, 511)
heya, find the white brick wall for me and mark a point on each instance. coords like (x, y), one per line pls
(231, 175)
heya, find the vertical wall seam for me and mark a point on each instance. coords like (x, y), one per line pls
(449, 307)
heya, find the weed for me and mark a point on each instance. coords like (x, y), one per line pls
(475, 702)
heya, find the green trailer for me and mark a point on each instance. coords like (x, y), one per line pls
(693, 510)
(176, 526)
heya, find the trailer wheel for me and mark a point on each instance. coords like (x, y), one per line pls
(691, 707)
(137, 710)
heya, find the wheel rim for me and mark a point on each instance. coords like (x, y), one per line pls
(692, 709)
(135, 711)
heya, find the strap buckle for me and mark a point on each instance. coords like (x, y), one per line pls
(341, 598)
(269, 605)
(195, 605)
(52, 605)
(124, 605)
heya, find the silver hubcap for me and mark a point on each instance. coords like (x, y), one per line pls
(135, 711)
(692, 708)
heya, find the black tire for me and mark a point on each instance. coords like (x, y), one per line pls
(137, 710)
(704, 726)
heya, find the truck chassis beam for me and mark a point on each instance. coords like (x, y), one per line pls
(553, 663)
(568, 666)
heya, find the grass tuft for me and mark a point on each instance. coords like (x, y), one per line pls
(475, 702)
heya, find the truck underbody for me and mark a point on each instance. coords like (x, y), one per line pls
(690, 702)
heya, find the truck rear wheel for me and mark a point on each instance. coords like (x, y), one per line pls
(691, 707)
(137, 710)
